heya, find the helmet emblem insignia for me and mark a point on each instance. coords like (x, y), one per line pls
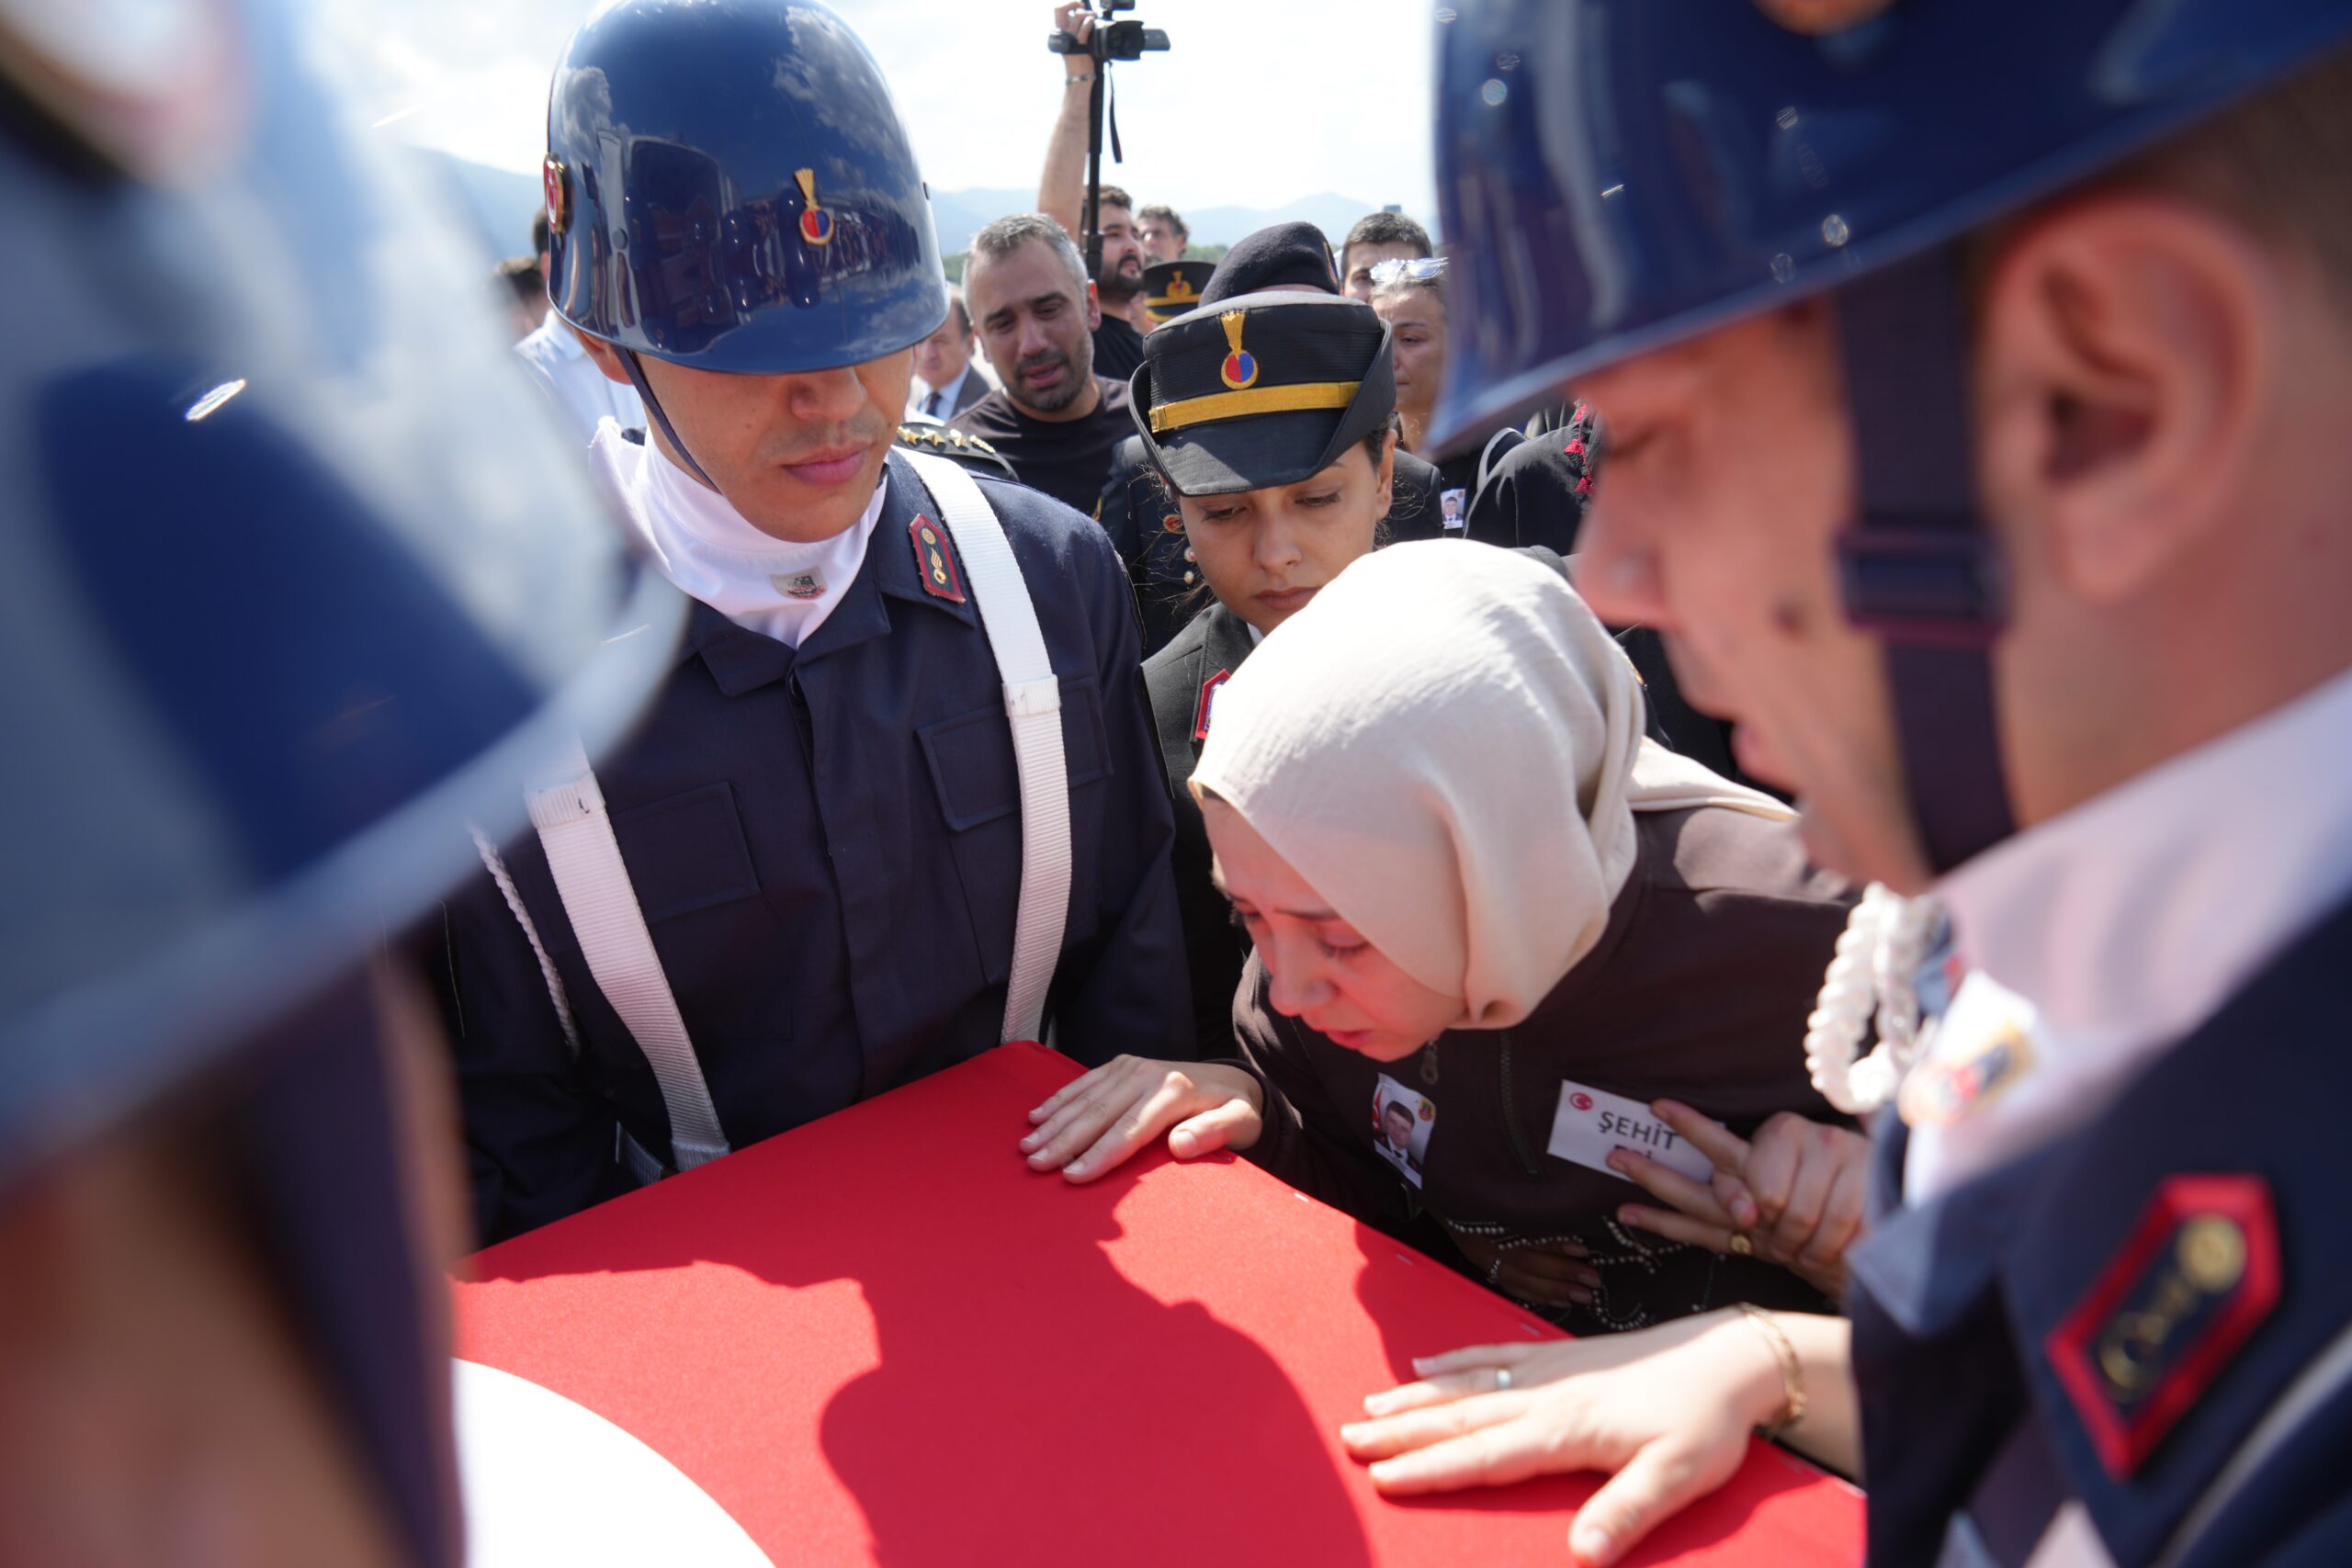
(815, 223)
(558, 195)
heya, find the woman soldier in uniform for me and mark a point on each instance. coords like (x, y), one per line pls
(1473, 886)
(1272, 421)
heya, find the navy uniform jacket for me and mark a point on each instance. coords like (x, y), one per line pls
(826, 845)
(2059, 1329)
(1213, 643)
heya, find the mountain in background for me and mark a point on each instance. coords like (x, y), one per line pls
(502, 204)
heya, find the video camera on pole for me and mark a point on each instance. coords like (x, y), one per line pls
(1110, 39)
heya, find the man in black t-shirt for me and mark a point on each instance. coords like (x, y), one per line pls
(1053, 419)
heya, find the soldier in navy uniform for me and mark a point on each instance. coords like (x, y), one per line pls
(898, 800)
(291, 591)
(1979, 456)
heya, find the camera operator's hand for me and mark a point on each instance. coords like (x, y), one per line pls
(1077, 19)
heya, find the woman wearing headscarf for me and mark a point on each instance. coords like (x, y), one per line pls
(1477, 892)
(1269, 418)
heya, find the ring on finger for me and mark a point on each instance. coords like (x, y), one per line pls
(1741, 1244)
(1502, 1380)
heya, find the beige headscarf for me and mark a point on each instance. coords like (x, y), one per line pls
(1447, 746)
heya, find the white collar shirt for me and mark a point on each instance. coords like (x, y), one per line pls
(584, 393)
(2129, 921)
(919, 400)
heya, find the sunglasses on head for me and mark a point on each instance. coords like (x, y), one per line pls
(1408, 269)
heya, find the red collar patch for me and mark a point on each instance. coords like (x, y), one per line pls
(2195, 1278)
(1208, 703)
(934, 563)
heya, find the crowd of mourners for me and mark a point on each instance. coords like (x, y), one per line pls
(1750, 753)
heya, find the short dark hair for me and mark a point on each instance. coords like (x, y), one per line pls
(956, 309)
(1008, 234)
(522, 275)
(539, 232)
(1163, 213)
(1114, 196)
(1385, 229)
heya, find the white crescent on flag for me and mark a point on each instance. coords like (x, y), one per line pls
(546, 1479)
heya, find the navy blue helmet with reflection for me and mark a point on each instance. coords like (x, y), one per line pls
(728, 187)
(302, 587)
(1614, 175)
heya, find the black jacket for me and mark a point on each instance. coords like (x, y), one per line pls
(1179, 677)
(1698, 990)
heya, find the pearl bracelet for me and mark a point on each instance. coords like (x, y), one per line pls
(1792, 1369)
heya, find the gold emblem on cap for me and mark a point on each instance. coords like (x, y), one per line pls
(2212, 1250)
(1239, 371)
(1180, 290)
(1817, 17)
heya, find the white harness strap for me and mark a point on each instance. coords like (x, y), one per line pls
(576, 832)
(1033, 702)
(585, 858)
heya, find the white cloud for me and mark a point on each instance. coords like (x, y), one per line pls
(1259, 102)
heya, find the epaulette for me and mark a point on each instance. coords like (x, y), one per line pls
(965, 451)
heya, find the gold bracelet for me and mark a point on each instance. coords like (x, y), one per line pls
(1792, 1369)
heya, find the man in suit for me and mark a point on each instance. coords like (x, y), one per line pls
(947, 382)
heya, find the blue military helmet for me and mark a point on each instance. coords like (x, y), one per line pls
(1615, 175)
(728, 187)
(301, 586)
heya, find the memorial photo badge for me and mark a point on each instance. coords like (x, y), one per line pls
(1402, 1119)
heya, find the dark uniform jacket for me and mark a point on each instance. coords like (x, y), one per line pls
(1213, 644)
(1143, 523)
(2047, 1333)
(826, 845)
(1697, 990)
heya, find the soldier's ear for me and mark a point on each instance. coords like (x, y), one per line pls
(2128, 350)
(608, 357)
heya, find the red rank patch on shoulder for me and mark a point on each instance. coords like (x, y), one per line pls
(934, 562)
(2195, 1279)
(1208, 703)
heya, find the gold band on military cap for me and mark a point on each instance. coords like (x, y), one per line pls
(1257, 399)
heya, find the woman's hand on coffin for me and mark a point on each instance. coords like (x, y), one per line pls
(1666, 1411)
(1092, 1124)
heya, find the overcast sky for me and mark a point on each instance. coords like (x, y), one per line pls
(1259, 102)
